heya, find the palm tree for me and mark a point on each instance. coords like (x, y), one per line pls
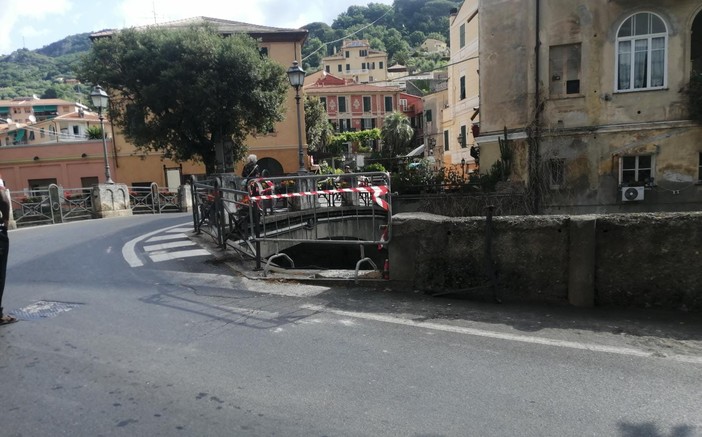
(396, 133)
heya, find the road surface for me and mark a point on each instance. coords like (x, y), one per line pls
(130, 327)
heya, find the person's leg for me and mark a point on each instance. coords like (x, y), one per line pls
(4, 247)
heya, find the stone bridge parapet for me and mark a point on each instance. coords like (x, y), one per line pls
(643, 260)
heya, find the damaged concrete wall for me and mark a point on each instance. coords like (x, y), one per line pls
(635, 259)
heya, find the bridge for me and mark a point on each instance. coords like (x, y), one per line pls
(260, 218)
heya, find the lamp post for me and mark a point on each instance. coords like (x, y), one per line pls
(296, 76)
(100, 101)
(463, 167)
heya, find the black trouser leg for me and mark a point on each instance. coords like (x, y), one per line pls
(4, 248)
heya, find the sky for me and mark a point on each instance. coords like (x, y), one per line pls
(38, 23)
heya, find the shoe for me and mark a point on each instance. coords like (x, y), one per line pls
(7, 319)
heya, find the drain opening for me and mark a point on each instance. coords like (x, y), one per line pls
(43, 310)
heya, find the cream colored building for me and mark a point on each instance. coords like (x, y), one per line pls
(356, 60)
(460, 112)
(593, 97)
(33, 109)
(434, 140)
(431, 45)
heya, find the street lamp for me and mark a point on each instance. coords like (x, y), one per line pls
(100, 101)
(296, 76)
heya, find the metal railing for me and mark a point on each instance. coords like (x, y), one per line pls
(260, 217)
(153, 200)
(51, 205)
(55, 204)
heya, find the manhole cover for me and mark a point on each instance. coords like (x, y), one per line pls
(43, 310)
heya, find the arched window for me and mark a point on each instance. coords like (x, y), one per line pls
(642, 42)
(696, 46)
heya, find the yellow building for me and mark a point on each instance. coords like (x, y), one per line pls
(356, 60)
(435, 144)
(460, 112)
(592, 95)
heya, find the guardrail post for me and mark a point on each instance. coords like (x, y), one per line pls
(196, 204)
(185, 203)
(219, 213)
(55, 204)
(155, 198)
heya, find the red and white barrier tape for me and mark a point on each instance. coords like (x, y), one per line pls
(374, 191)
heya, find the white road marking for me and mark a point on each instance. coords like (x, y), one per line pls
(182, 230)
(165, 237)
(166, 256)
(506, 336)
(129, 252)
(171, 245)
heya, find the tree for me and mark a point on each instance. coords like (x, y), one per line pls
(397, 134)
(312, 54)
(416, 38)
(394, 43)
(352, 16)
(184, 92)
(319, 30)
(50, 93)
(319, 130)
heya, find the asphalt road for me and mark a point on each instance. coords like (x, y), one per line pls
(131, 327)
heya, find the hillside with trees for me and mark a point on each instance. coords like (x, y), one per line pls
(46, 72)
(399, 29)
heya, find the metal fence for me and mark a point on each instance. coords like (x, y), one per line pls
(153, 200)
(55, 204)
(261, 217)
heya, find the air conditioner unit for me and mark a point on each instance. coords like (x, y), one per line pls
(632, 194)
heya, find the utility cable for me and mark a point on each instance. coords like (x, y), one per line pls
(348, 35)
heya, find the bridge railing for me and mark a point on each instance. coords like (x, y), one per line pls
(56, 204)
(260, 217)
(154, 200)
(53, 204)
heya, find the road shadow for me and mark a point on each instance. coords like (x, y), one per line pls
(522, 316)
(247, 309)
(650, 429)
(648, 328)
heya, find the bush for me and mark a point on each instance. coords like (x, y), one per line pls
(376, 166)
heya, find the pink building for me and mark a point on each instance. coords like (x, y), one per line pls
(71, 165)
(355, 107)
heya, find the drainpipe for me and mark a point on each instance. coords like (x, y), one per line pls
(538, 58)
(534, 161)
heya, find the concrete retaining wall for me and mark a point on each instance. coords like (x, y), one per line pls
(626, 260)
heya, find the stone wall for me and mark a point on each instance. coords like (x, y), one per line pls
(625, 260)
(650, 260)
